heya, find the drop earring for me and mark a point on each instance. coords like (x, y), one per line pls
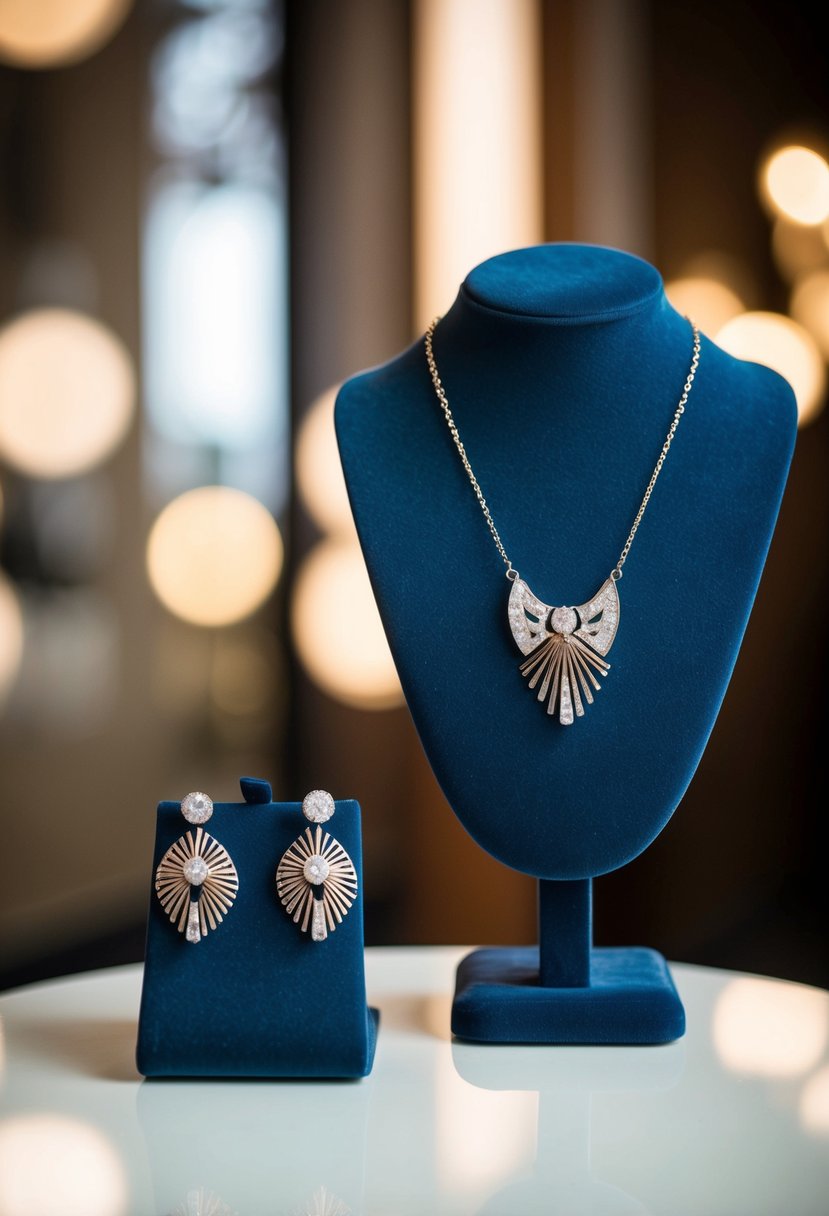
(316, 880)
(196, 881)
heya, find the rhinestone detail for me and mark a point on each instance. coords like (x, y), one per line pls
(197, 807)
(318, 806)
(316, 869)
(564, 620)
(196, 870)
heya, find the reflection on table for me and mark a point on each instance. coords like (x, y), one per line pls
(735, 1117)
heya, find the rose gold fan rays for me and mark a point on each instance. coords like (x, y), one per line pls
(316, 882)
(563, 668)
(564, 646)
(196, 881)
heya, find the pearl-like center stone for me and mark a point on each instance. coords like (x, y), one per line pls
(196, 870)
(564, 620)
(316, 869)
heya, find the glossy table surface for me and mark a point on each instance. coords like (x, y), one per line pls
(732, 1119)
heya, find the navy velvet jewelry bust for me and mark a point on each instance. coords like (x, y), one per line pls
(563, 365)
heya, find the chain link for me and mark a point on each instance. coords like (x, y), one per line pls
(511, 572)
(450, 420)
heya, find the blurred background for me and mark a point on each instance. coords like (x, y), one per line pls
(212, 212)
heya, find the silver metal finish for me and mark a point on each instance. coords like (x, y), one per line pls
(316, 880)
(196, 901)
(565, 644)
(197, 807)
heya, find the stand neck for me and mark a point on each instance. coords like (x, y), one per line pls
(564, 285)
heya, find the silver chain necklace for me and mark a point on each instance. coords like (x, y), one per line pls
(565, 647)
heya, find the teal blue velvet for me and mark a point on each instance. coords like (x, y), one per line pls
(563, 365)
(256, 997)
(563, 422)
(631, 998)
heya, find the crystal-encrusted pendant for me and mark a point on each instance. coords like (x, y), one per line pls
(196, 881)
(565, 647)
(316, 880)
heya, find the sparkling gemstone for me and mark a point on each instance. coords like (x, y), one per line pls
(564, 620)
(318, 806)
(193, 932)
(196, 870)
(319, 929)
(197, 807)
(316, 869)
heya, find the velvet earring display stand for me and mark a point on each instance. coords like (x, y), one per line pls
(563, 365)
(256, 997)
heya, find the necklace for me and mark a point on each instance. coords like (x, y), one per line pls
(564, 647)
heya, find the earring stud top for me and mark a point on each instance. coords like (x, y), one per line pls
(197, 807)
(318, 806)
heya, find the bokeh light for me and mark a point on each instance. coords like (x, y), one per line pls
(484, 1138)
(46, 33)
(780, 343)
(814, 1103)
(794, 182)
(810, 306)
(67, 392)
(770, 1029)
(50, 1163)
(214, 555)
(707, 301)
(337, 628)
(11, 635)
(476, 106)
(318, 468)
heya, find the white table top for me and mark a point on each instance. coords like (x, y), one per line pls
(732, 1119)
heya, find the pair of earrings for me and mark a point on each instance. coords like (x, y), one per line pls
(197, 883)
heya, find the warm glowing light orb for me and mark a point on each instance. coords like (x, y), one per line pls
(814, 1103)
(810, 307)
(483, 1138)
(780, 343)
(11, 636)
(705, 300)
(795, 183)
(214, 555)
(337, 628)
(45, 33)
(770, 1029)
(318, 468)
(67, 392)
(51, 1163)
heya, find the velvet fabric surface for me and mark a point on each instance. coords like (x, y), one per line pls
(256, 997)
(563, 365)
(631, 999)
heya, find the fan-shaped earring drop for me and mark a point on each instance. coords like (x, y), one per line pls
(316, 880)
(196, 881)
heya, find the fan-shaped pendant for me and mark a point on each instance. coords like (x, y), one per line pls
(196, 883)
(316, 882)
(565, 646)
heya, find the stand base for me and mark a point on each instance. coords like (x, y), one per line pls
(631, 1000)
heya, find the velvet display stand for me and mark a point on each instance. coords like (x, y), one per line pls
(256, 997)
(563, 365)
